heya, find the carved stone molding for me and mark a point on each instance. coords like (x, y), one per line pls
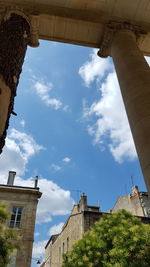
(106, 42)
(32, 20)
(111, 29)
(14, 10)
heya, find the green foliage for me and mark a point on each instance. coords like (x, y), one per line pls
(7, 237)
(117, 240)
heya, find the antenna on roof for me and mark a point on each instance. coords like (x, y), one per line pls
(78, 192)
(132, 182)
(126, 192)
(98, 202)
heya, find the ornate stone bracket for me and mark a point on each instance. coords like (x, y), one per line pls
(34, 31)
(110, 31)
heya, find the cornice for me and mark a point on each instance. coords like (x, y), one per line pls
(21, 190)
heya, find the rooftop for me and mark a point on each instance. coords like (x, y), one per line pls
(10, 187)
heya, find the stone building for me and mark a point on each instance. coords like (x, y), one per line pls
(136, 202)
(81, 218)
(22, 203)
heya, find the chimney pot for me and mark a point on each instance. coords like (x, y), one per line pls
(11, 178)
(36, 182)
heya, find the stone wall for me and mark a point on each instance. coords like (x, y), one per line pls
(129, 203)
(137, 203)
(71, 232)
(81, 219)
(90, 218)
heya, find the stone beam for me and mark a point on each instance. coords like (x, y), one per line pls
(59, 11)
(82, 22)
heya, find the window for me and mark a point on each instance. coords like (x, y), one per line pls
(67, 243)
(63, 248)
(15, 217)
(59, 253)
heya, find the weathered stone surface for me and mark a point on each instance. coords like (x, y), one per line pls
(14, 37)
(134, 78)
(137, 203)
(81, 219)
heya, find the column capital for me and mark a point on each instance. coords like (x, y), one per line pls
(111, 29)
(32, 20)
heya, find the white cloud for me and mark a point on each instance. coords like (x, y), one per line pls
(26, 143)
(36, 234)
(55, 201)
(22, 123)
(56, 229)
(43, 90)
(66, 108)
(55, 167)
(66, 160)
(109, 125)
(96, 68)
(19, 148)
(148, 60)
(39, 249)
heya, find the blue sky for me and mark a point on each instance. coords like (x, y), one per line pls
(71, 130)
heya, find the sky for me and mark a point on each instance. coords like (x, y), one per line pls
(72, 131)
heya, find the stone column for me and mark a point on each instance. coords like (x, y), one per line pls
(14, 37)
(134, 78)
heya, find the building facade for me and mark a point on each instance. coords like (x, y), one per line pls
(137, 203)
(84, 216)
(22, 204)
(80, 220)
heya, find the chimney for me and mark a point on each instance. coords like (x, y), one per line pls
(83, 202)
(135, 189)
(11, 178)
(36, 182)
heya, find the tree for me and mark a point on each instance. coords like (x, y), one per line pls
(117, 240)
(7, 237)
